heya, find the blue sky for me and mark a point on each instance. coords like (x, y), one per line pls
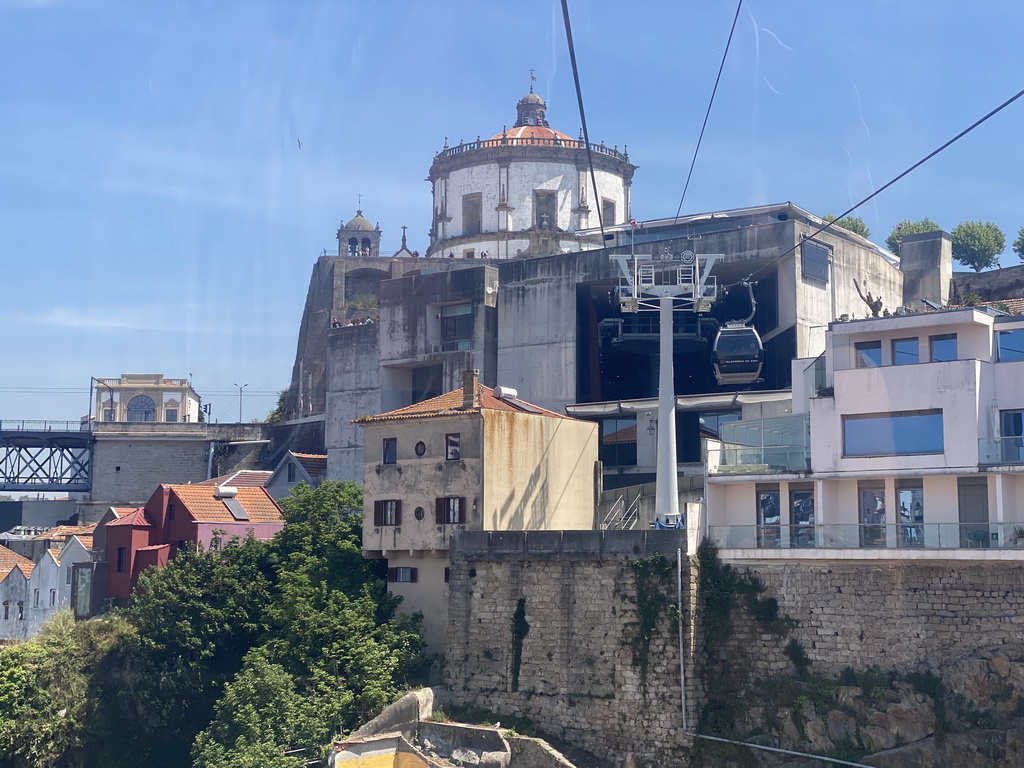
(158, 216)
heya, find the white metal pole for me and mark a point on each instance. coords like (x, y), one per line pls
(667, 488)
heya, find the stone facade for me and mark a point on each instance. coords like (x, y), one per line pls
(578, 678)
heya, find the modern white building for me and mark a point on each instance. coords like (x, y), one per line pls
(906, 437)
(527, 190)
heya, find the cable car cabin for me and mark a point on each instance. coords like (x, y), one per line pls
(737, 355)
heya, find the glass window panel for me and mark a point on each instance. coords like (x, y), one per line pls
(869, 354)
(910, 529)
(390, 450)
(768, 519)
(814, 261)
(1010, 345)
(801, 513)
(872, 517)
(943, 348)
(453, 446)
(904, 351)
(893, 434)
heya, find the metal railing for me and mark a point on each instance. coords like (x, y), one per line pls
(37, 425)
(852, 536)
(508, 141)
(771, 459)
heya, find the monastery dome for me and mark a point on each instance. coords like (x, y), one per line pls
(359, 223)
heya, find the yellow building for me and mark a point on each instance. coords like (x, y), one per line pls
(145, 397)
(473, 459)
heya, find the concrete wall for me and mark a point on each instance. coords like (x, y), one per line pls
(130, 460)
(354, 390)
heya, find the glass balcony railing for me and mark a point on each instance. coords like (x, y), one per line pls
(849, 536)
(758, 461)
(1001, 450)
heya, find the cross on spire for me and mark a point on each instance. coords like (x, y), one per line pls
(533, 79)
(360, 198)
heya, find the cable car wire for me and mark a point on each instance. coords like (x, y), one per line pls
(708, 113)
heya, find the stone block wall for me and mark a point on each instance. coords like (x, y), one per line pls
(578, 675)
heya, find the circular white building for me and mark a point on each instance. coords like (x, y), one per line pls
(525, 191)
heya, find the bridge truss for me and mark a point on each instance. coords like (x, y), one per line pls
(45, 456)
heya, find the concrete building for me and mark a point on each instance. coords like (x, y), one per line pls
(145, 397)
(472, 459)
(905, 438)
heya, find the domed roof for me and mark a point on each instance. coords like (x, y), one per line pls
(519, 133)
(359, 223)
(531, 98)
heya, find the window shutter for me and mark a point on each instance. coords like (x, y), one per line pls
(462, 510)
(413, 573)
(378, 513)
(391, 574)
(439, 511)
(398, 513)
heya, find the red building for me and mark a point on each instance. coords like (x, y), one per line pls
(179, 515)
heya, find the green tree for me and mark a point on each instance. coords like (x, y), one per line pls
(851, 223)
(908, 227)
(977, 244)
(277, 414)
(1018, 244)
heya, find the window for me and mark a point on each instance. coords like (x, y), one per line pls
(943, 347)
(389, 453)
(872, 514)
(453, 446)
(171, 414)
(108, 414)
(447, 575)
(801, 516)
(893, 434)
(768, 516)
(814, 260)
(403, 575)
(7, 610)
(67, 575)
(170, 511)
(21, 611)
(450, 511)
(53, 598)
(472, 212)
(421, 448)
(122, 559)
(387, 512)
(1010, 345)
(469, 253)
(35, 598)
(544, 210)
(869, 354)
(141, 408)
(910, 528)
(291, 471)
(182, 545)
(608, 212)
(904, 351)
(456, 326)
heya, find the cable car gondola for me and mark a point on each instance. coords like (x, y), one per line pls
(737, 352)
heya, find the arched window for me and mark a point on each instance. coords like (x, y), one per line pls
(353, 247)
(141, 408)
(366, 246)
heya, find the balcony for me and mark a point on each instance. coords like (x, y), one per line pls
(769, 460)
(904, 536)
(1000, 451)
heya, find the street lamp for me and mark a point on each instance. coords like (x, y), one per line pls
(240, 388)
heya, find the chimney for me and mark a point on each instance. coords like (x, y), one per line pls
(470, 399)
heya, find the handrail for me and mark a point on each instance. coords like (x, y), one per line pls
(43, 425)
(508, 141)
(606, 523)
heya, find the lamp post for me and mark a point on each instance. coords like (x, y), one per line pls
(240, 388)
(113, 413)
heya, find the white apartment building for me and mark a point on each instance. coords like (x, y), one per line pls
(906, 440)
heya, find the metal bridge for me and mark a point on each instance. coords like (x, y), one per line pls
(45, 455)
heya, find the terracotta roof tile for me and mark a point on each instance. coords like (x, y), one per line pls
(153, 547)
(66, 531)
(200, 502)
(243, 478)
(314, 463)
(86, 540)
(136, 519)
(450, 404)
(10, 560)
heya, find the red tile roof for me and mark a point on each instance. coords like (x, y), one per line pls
(10, 560)
(243, 478)
(136, 519)
(65, 532)
(450, 404)
(525, 132)
(314, 463)
(200, 502)
(86, 540)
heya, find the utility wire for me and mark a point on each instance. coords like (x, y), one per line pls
(583, 116)
(888, 184)
(708, 113)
